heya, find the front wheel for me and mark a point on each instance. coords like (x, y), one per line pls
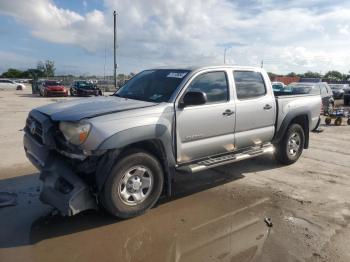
(291, 146)
(133, 186)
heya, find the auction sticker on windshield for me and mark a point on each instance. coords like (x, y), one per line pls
(176, 74)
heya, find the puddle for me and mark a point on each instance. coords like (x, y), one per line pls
(8, 199)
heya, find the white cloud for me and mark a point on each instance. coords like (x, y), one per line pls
(288, 36)
(58, 25)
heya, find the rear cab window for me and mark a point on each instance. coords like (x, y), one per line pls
(249, 84)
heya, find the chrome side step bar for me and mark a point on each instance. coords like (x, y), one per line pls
(225, 159)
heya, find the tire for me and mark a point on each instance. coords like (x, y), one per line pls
(346, 102)
(338, 121)
(291, 146)
(348, 122)
(328, 121)
(71, 92)
(127, 179)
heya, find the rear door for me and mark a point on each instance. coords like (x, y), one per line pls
(208, 129)
(255, 109)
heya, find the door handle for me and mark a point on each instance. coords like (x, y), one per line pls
(267, 107)
(228, 112)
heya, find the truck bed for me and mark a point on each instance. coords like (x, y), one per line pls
(305, 102)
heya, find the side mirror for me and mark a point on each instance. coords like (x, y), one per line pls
(193, 98)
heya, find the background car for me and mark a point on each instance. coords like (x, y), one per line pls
(84, 88)
(277, 86)
(10, 84)
(338, 90)
(321, 88)
(52, 88)
(280, 88)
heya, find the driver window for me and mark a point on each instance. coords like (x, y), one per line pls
(213, 84)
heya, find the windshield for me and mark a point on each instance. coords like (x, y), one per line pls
(336, 87)
(277, 87)
(52, 83)
(85, 85)
(152, 85)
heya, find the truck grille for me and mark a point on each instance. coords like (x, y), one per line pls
(35, 129)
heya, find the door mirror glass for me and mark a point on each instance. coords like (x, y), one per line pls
(193, 98)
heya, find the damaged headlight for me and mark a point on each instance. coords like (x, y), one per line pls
(75, 132)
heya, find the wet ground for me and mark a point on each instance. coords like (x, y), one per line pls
(217, 215)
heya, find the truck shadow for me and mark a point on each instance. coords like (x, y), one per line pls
(30, 221)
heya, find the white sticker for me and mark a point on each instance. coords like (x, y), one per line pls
(176, 75)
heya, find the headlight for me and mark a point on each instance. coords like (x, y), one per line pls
(75, 132)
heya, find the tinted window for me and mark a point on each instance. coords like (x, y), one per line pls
(213, 84)
(152, 85)
(249, 84)
(52, 83)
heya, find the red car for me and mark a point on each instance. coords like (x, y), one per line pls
(52, 88)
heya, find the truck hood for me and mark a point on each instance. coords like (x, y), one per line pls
(78, 109)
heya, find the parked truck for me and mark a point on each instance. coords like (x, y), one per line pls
(121, 152)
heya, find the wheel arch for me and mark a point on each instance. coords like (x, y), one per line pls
(153, 139)
(301, 118)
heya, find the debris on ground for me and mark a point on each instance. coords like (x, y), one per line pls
(318, 130)
(268, 221)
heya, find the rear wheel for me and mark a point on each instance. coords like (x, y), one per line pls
(328, 121)
(291, 146)
(338, 121)
(133, 186)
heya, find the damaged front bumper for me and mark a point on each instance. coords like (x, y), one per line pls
(62, 188)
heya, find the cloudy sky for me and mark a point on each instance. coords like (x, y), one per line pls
(78, 35)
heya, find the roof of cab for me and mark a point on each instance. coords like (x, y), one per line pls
(204, 67)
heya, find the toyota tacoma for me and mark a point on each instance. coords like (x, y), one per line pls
(121, 152)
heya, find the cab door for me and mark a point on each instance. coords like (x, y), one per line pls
(255, 109)
(208, 129)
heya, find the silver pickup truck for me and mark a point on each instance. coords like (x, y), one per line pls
(121, 152)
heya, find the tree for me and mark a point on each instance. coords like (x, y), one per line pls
(335, 75)
(310, 74)
(292, 74)
(46, 69)
(271, 75)
(15, 73)
(50, 68)
(131, 75)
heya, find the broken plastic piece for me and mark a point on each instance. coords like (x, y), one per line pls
(268, 221)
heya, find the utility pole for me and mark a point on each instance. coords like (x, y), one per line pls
(225, 55)
(115, 49)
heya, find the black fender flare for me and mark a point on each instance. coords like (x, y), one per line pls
(116, 143)
(290, 118)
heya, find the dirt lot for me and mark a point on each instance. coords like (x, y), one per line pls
(214, 216)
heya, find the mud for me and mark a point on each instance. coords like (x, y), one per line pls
(217, 215)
